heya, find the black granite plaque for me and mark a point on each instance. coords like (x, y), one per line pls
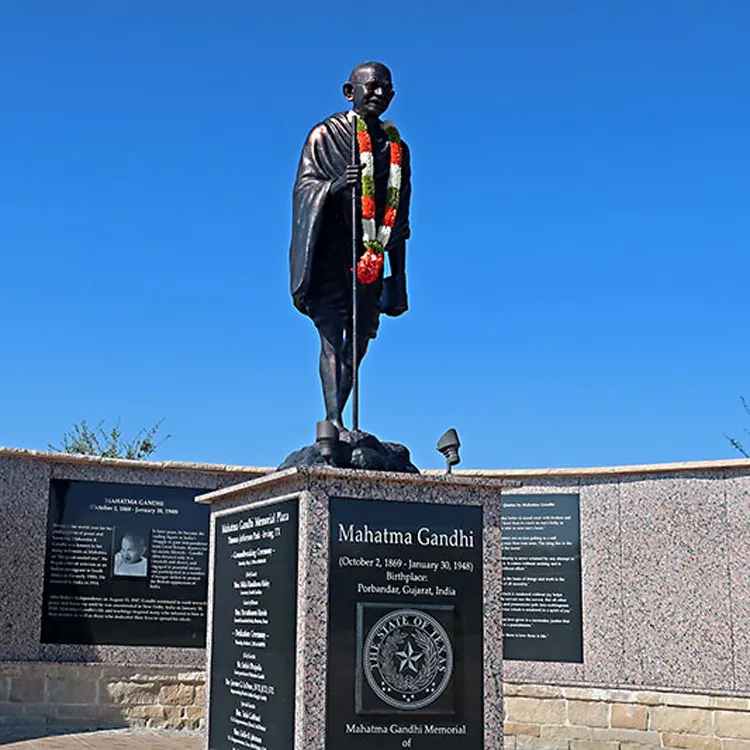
(405, 659)
(254, 628)
(126, 564)
(541, 546)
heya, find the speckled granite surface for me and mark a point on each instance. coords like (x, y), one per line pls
(738, 519)
(675, 582)
(601, 563)
(314, 486)
(24, 496)
(666, 580)
(24, 490)
(741, 629)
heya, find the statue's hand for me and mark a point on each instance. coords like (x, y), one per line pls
(393, 299)
(351, 178)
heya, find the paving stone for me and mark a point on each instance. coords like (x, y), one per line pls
(535, 711)
(687, 720)
(560, 736)
(629, 716)
(733, 725)
(588, 713)
(27, 689)
(593, 745)
(180, 695)
(513, 727)
(690, 741)
(121, 739)
(71, 691)
(532, 691)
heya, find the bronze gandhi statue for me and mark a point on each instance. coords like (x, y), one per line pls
(321, 257)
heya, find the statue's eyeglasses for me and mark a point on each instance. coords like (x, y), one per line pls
(371, 86)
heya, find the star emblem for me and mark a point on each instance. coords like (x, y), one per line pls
(409, 658)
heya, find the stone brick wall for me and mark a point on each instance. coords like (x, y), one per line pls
(538, 717)
(548, 717)
(98, 696)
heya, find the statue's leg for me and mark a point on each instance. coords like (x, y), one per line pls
(347, 371)
(368, 316)
(331, 346)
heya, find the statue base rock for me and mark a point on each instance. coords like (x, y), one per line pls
(356, 450)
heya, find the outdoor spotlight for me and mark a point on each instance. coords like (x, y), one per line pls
(326, 436)
(448, 445)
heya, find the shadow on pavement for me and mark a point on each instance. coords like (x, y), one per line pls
(35, 732)
(61, 738)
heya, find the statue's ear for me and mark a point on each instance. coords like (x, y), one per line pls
(348, 89)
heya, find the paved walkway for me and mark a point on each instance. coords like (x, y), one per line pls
(117, 739)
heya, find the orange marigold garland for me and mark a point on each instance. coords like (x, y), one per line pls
(375, 239)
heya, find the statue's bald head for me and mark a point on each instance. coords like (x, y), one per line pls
(370, 89)
(367, 68)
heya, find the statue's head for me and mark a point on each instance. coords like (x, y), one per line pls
(369, 89)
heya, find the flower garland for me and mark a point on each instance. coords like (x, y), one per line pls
(375, 240)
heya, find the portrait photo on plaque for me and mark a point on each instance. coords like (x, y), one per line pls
(131, 558)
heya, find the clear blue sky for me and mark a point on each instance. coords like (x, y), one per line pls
(579, 266)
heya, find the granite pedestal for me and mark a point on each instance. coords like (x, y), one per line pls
(353, 609)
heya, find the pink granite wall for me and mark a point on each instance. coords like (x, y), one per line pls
(666, 580)
(24, 495)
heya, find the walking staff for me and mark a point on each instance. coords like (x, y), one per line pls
(355, 260)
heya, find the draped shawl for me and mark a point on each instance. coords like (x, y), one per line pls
(325, 156)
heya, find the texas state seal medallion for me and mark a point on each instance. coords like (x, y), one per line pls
(408, 659)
